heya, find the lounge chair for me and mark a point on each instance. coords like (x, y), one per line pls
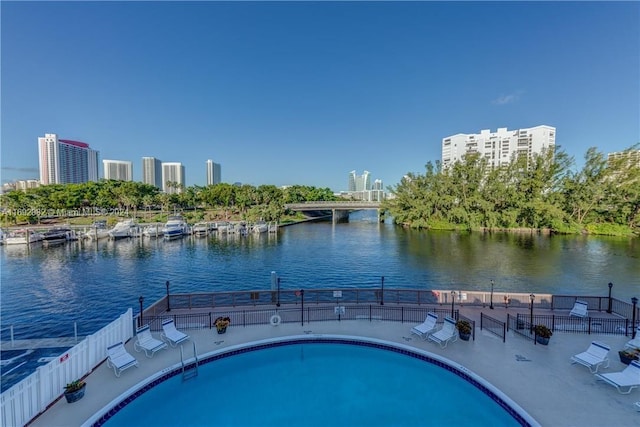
(637, 405)
(596, 355)
(634, 343)
(171, 334)
(448, 333)
(579, 309)
(629, 377)
(427, 327)
(145, 341)
(119, 358)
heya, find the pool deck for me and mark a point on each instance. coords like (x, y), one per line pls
(541, 379)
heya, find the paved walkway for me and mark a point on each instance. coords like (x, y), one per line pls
(539, 378)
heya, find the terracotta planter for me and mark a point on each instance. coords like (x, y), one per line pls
(73, 396)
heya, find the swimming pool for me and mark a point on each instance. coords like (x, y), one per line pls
(319, 382)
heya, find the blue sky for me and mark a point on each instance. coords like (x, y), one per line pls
(304, 92)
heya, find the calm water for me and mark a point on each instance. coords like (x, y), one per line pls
(92, 284)
(315, 385)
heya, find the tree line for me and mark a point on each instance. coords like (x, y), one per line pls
(543, 192)
(263, 202)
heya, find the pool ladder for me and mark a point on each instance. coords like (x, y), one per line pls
(189, 370)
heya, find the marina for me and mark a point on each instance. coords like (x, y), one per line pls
(140, 271)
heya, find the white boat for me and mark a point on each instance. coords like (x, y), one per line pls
(153, 231)
(201, 229)
(175, 227)
(58, 236)
(126, 228)
(20, 237)
(97, 231)
(222, 227)
(260, 227)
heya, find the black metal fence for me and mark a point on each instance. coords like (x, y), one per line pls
(494, 326)
(379, 296)
(301, 315)
(587, 325)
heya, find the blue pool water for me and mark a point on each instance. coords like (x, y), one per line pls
(316, 384)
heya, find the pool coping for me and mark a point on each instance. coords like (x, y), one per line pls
(509, 405)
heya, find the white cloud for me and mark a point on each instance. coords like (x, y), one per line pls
(508, 99)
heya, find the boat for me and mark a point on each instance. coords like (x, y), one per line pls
(22, 237)
(97, 231)
(222, 227)
(153, 231)
(2, 235)
(58, 236)
(175, 227)
(201, 229)
(260, 227)
(125, 228)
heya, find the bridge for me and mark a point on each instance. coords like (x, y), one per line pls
(339, 208)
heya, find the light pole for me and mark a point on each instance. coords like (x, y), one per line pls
(168, 305)
(453, 300)
(141, 300)
(491, 300)
(278, 303)
(634, 302)
(531, 297)
(609, 305)
(382, 291)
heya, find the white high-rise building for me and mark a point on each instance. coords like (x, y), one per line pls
(63, 161)
(214, 172)
(120, 170)
(172, 177)
(152, 172)
(500, 147)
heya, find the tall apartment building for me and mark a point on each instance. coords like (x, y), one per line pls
(172, 175)
(120, 170)
(632, 157)
(152, 172)
(63, 161)
(214, 172)
(360, 187)
(500, 147)
(359, 183)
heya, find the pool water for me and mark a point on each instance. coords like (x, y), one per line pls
(315, 384)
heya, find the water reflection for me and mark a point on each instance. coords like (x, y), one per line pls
(85, 281)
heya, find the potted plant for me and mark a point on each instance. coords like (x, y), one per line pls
(464, 329)
(542, 334)
(629, 355)
(221, 324)
(74, 390)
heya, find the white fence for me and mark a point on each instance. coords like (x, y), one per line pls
(31, 396)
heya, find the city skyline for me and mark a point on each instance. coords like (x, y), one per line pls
(362, 85)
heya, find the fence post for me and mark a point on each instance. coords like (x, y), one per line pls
(75, 331)
(11, 329)
(302, 306)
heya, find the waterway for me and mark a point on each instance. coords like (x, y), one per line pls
(45, 290)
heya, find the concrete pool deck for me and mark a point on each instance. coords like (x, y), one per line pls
(541, 379)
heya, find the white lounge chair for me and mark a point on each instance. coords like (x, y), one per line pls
(634, 343)
(629, 377)
(119, 358)
(171, 334)
(579, 309)
(448, 333)
(427, 327)
(596, 355)
(145, 341)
